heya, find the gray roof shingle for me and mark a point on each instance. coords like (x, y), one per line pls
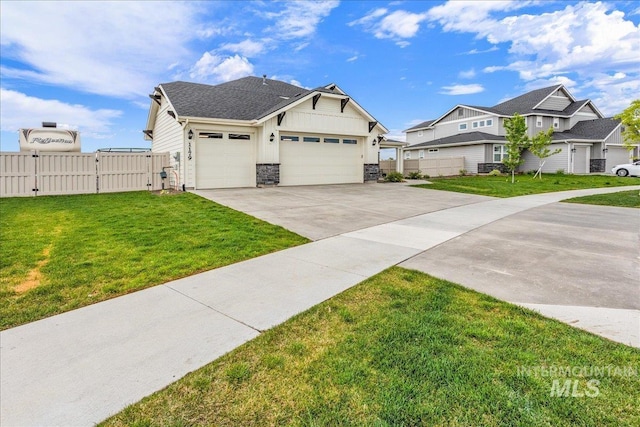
(524, 104)
(596, 130)
(243, 99)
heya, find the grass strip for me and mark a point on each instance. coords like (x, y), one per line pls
(404, 348)
(501, 186)
(624, 199)
(59, 253)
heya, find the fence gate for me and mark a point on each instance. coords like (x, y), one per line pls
(47, 173)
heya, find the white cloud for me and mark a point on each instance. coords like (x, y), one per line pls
(571, 45)
(369, 18)
(23, 111)
(353, 58)
(398, 25)
(300, 18)
(469, 74)
(462, 89)
(245, 48)
(476, 51)
(109, 48)
(212, 68)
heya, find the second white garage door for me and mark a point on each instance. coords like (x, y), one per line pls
(312, 160)
(225, 160)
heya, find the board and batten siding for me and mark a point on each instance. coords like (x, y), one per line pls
(467, 113)
(556, 102)
(585, 113)
(168, 138)
(327, 119)
(552, 164)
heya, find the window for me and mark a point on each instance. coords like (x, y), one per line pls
(332, 140)
(499, 153)
(556, 122)
(349, 141)
(538, 121)
(210, 135)
(421, 154)
(420, 133)
(407, 155)
(239, 136)
(482, 123)
(289, 138)
(311, 139)
(462, 126)
(433, 150)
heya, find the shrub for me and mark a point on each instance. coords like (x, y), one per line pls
(414, 175)
(560, 172)
(425, 176)
(463, 172)
(394, 177)
(495, 172)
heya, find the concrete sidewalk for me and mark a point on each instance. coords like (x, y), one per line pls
(80, 367)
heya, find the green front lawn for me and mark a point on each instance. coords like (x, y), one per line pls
(403, 348)
(625, 199)
(63, 252)
(501, 186)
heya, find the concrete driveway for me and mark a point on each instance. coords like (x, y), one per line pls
(576, 263)
(322, 211)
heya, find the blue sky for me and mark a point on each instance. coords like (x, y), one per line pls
(91, 65)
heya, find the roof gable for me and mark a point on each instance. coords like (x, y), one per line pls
(523, 104)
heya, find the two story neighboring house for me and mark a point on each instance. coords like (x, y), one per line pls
(588, 141)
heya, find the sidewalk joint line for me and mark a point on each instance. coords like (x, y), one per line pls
(214, 309)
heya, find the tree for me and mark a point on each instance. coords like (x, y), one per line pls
(517, 142)
(539, 147)
(630, 119)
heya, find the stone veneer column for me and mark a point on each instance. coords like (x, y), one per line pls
(267, 174)
(371, 172)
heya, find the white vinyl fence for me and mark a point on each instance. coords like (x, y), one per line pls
(46, 173)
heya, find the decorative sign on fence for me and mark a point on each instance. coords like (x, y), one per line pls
(49, 139)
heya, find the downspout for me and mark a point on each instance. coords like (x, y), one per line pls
(187, 154)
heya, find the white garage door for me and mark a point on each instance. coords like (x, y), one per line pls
(225, 160)
(311, 160)
(616, 156)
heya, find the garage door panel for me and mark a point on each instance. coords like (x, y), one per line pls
(223, 163)
(312, 163)
(616, 156)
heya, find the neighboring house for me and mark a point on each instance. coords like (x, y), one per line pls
(588, 141)
(256, 131)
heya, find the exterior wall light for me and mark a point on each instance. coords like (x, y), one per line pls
(271, 137)
(190, 134)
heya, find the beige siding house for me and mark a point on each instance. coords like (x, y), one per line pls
(257, 131)
(588, 141)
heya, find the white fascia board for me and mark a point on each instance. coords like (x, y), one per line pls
(151, 118)
(214, 121)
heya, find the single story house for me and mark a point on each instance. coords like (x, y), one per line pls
(588, 141)
(257, 131)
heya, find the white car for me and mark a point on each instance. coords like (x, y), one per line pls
(632, 169)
